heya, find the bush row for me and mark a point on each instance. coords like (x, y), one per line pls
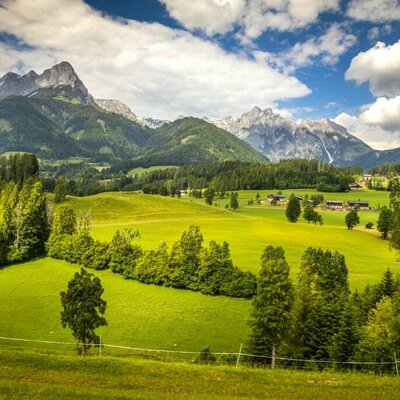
(188, 265)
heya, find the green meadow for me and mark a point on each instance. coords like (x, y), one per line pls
(149, 316)
(249, 229)
(142, 170)
(33, 375)
(138, 315)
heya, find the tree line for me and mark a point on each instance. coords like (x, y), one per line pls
(24, 220)
(320, 319)
(234, 175)
(188, 265)
(83, 179)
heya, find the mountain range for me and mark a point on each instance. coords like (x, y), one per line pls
(54, 115)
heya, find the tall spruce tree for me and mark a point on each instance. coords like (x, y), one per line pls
(344, 342)
(60, 190)
(395, 206)
(388, 286)
(322, 293)
(293, 209)
(271, 313)
(234, 202)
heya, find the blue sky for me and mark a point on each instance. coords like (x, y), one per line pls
(331, 92)
(304, 58)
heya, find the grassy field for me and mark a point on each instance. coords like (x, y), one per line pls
(249, 229)
(141, 170)
(138, 315)
(166, 318)
(32, 375)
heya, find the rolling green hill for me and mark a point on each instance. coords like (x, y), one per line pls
(165, 318)
(194, 141)
(53, 124)
(249, 229)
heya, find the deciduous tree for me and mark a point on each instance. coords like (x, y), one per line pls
(83, 309)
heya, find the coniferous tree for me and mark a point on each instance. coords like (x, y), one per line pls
(234, 202)
(271, 313)
(395, 206)
(388, 286)
(293, 209)
(60, 190)
(322, 293)
(344, 342)
(83, 309)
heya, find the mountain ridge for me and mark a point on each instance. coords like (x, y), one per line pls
(62, 74)
(55, 104)
(281, 138)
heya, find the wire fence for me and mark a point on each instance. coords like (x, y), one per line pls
(236, 358)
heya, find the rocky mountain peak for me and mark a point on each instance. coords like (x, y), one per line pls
(280, 138)
(117, 107)
(59, 75)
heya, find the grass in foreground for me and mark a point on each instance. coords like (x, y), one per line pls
(33, 375)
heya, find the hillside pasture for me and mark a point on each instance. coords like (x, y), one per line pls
(247, 230)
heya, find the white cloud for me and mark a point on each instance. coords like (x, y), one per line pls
(380, 66)
(210, 16)
(283, 15)
(378, 124)
(374, 10)
(156, 70)
(325, 49)
(385, 113)
(254, 16)
(378, 31)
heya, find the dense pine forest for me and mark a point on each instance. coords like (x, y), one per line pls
(83, 178)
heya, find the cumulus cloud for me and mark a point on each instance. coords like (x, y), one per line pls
(374, 10)
(253, 17)
(378, 124)
(380, 67)
(156, 70)
(325, 49)
(210, 16)
(385, 113)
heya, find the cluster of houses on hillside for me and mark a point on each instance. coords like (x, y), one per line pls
(329, 204)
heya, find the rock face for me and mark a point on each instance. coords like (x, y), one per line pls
(59, 75)
(117, 107)
(280, 138)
